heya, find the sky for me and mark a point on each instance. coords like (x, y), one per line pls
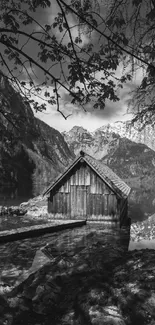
(92, 118)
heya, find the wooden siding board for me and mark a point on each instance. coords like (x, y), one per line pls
(61, 202)
(66, 187)
(71, 180)
(77, 177)
(97, 205)
(75, 202)
(79, 202)
(85, 202)
(93, 204)
(100, 187)
(54, 203)
(68, 205)
(50, 206)
(110, 207)
(72, 201)
(74, 178)
(92, 182)
(97, 185)
(88, 203)
(57, 202)
(64, 203)
(100, 212)
(100, 204)
(105, 205)
(91, 199)
(80, 176)
(83, 175)
(87, 175)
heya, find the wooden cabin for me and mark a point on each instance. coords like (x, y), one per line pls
(89, 189)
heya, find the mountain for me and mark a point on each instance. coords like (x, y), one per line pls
(100, 141)
(135, 132)
(130, 159)
(133, 162)
(32, 153)
(97, 144)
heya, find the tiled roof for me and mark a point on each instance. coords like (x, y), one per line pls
(114, 181)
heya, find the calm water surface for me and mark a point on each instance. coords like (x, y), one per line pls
(20, 258)
(142, 244)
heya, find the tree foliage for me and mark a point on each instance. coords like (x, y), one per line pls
(80, 51)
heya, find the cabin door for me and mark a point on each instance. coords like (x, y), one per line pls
(78, 201)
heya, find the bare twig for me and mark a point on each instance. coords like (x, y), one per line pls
(58, 106)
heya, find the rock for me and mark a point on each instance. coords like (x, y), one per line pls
(36, 212)
(36, 207)
(109, 315)
(143, 230)
(12, 210)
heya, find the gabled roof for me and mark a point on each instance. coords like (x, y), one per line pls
(102, 170)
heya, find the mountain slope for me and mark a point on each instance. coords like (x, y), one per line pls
(96, 144)
(131, 159)
(32, 153)
(135, 132)
(98, 141)
(135, 164)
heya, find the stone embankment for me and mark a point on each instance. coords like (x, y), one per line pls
(12, 211)
(36, 207)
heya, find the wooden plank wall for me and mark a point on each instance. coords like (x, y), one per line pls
(83, 195)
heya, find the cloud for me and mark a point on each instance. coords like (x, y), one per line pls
(90, 120)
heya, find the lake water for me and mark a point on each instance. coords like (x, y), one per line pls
(21, 258)
(142, 244)
(10, 197)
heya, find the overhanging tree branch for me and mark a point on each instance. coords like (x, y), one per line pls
(39, 66)
(106, 36)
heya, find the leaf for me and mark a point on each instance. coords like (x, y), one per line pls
(23, 83)
(46, 94)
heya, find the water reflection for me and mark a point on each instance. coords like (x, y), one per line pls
(12, 196)
(62, 247)
(142, 244)
(141, 202)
